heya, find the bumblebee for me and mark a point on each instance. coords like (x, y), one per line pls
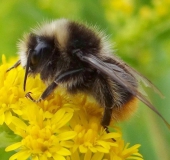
(80, 59)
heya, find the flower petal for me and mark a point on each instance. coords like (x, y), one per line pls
(20, 155)
(82, 149)
(66, 135)
(111, 135)
(63, 152)
(19, 123)
(58, 157)
(98, 156)
(8, 117)
(2, 118)
(88, 155)
(13, 146)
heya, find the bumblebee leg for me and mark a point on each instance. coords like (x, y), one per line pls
(53, 85)
(14, 66)
(103, 93)
(45, 94)
(106, 118)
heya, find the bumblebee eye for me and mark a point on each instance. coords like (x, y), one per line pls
(39, 53)
(35, 58)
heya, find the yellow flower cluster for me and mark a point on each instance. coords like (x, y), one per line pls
(126, 8)
(62, 127)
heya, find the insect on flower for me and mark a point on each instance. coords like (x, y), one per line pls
(79, 58)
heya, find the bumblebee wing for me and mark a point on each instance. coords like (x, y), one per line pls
(121, 77)
(139, 77)
(144, 80)
(113, 71)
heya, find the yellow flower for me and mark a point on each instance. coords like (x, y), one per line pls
(44, 138)
(10, 93)
(124, 152)
(62, 127)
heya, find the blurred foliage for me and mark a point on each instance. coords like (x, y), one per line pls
(140, 33)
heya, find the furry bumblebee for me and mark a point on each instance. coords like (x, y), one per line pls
(79, 58)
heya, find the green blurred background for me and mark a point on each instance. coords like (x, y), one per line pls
(140, 32)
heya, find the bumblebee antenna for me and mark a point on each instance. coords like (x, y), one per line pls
(27, 69)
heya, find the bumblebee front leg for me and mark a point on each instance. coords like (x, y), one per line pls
(53, 85)
(45, 94)
(14, 66)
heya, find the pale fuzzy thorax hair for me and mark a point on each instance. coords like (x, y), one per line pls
(57, 29)
(22, 49)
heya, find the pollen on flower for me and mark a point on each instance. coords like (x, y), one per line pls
(62, 127)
